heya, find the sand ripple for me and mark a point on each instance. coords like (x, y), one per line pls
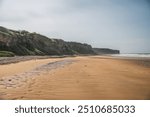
(19, 79)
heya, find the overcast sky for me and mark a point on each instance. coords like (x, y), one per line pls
(117, 24)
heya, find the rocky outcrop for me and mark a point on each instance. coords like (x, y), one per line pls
(26, 43)
(22, 42)
(105, 51)
(79, 48)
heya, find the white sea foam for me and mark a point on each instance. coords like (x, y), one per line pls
(133, 55)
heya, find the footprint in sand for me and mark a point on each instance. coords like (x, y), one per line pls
(30, 90)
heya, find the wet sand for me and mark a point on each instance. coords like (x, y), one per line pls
(76, 78)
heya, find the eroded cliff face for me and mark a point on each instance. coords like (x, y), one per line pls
(81, 48)
(26, 43)
(105, 51)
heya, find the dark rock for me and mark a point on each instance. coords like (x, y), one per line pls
(105, 51)
(26, 43)
(79, 48)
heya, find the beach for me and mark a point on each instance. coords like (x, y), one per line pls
(75, 78)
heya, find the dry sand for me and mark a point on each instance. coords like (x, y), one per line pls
(76, 78)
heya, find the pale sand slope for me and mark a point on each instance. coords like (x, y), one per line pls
(85, 78)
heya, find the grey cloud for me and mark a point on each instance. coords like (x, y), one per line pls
(118, 24)
(1, 3)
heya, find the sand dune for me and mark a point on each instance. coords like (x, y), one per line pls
(75, 78)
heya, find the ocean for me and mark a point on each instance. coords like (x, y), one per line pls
(143, 55)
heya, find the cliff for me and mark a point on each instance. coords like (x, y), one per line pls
(26, 43)
(105, 51)
(22, 42)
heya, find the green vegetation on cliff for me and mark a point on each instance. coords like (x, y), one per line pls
(6, 54)
(25, 43)
(105, 51)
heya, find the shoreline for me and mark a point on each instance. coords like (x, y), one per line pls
(143, 61)
(86, 77)
(17, 59)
